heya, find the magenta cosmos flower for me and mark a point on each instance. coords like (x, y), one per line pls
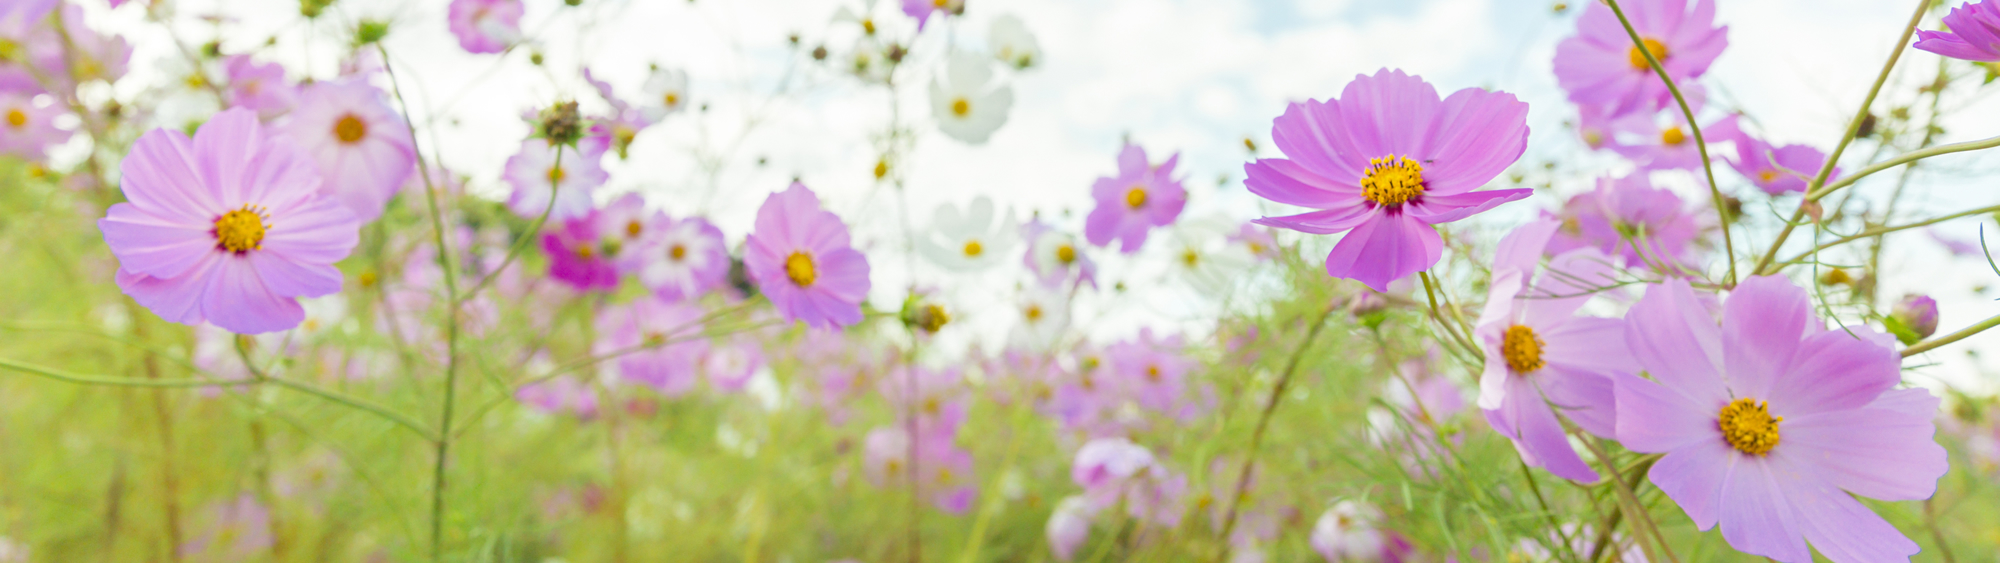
(227, 227)
(363, 148)
(1974, 33)
(485, 26)
(1139, 198)
(1541, 357)
(1628, 218)
(581, 257)
(1770, 422)
(1778, 170)
(542, 172)
(1387, 160)
(1600, 66)
(800, 257)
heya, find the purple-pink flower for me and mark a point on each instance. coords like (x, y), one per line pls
(1139, 198)
(260, 87)
(800, 257)
(1974, 33)
(1387, 160)
(1630, 219)
(363, 148)
(1772, 424)
(944, 472)
(1115, 470)
(1542, 360)
(1600, 66)
(682, 258)
(580, 256)
(922, 9)
(655, 342)
(485, 26)
(1778, 170)
(227, 227)
(1665, 142)
(27, 128)
(542, 172)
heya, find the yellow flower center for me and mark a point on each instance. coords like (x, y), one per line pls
(961, 106)
(350, 129)
(633, 228)
(556, 175)
(973, 249)
(673, 99)
(678, 252)
(1522, 348)
(1638, 58)
(1032, 312)
(939, 3)
(1767, 176)
(868, 26)
(1749, 426)
(17, 118)
(881, 169)
(1153, 374)
(241, 230)
(1135, 197)
(1066, 254)
(1672, 136)
(1190, 258)
(931, 405)
(585, 252)
(932, 318)
(1392, 180)
(799, 267)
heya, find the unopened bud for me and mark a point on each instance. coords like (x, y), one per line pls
(1913, 319)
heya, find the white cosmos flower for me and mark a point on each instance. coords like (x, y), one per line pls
(968, 106)
(969, 241)
(666, 93)
(1012, 44)
(1043, 314)
(188, 97)
(1347, 532)
(1204, 256)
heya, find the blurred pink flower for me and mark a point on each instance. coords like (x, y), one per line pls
(580, 256)
(1772, 424)
(227, 227)
(1628, 218)
(537, 176)
(1600, 66)
(363, 148)
(1068, 527)
(942, 470)
(1386, 161)
(27, 128)
(562, 395)
(238, 530)
(681, 258)
(800, 257)
(1139, 198)
(1778, 170)
(922, 9)
(1665, 142)
(659, 343)
(485, 26)
(260, 87)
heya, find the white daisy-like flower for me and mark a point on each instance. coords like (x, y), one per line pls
(1044, 314)
(968, 106)
(1056, 255)
(1203, 256)
(1347, 532)
(666, 93)
(869, 60)
(1012, 44)
(968, 241)
(865, 18)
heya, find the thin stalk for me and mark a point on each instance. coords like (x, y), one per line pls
(1815, 189)
(1264, 421)
(64, 376)
(1879, 231)
(1962, 334)
(169, 479)
(1902, 159)
(1700, 143)
(1648, 532)
(1937, 535)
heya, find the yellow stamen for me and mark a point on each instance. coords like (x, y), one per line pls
(1749, 426)
(1638, 58)
(1672, 136)
(1392, 180)
(1033, 313)
(960, 107)
(1135, 197)
(678, 252)
(556, 175)
(633, 228)
(1522, 349)
(16, 118)
(1190, 258)
(1066, 254)
(350, 129)
(799, 267)
(241, 230)
(1153, 374)
(673, 99)
(973, 249)
(1767, 176)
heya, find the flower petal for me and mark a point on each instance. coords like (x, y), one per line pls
(1757, 517)
(1475, 136)
(1762, 323)
(1655, 419)
(1676, 341)
(1287, 182)
(1384, 248)
(1834, 370)
(237, 300)
(1691, 475)
(1872, 452)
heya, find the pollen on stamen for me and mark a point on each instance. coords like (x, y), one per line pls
(16, 118)
(1392, 180)
(1136, 197)
(241, 230)
(960, 107)
(800, 268)
(1638, 58)
(1748, 426)
(973, 249)
(1672, 136)
(1522, 349)
(350, 129)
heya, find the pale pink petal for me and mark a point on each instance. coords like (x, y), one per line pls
(1762, 322)
(152, 245)
(1835, 371)
(1756, 517)
(1654, 419)
(1676, 341)
(1692, 476)
(237, 300)
(1383, 249)
(1475, 136)
(1877, 453)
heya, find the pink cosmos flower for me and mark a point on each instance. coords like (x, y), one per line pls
(1348, 531)
(617, 131)
(1151, 369)
(1114, 470)
(943, 470)
(1600, 66)
(922, 9)
(538, 177)
(580, 256)
(28, 129)
(227, 227)
(1256, 241)
(485, 26)
(1056, 257)
(656, 342)
(1068, 527)
(1628, 218)
(1665, 142)
(260, 87)
(363, 148)
(730, 364)
(562, 395)
(1541, 357)
(1770, 422)
(72, 55)
(1139, 198)
(1974, 33)
(800, 257)
(682, 258)
(1778, 170)
(1387, 160)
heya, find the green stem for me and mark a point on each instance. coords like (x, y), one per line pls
(65, 376)
(1707, 167)
(1879, 231)
(1933, 343)
(1264, 421)
(1813, 188)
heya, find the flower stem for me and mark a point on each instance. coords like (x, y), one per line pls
(1879, 231)
(1928, 345)
(1700, 143)
(1814, 189)
(1646, 530)
(1263, 422)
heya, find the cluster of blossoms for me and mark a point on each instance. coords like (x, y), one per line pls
(1605, 323)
